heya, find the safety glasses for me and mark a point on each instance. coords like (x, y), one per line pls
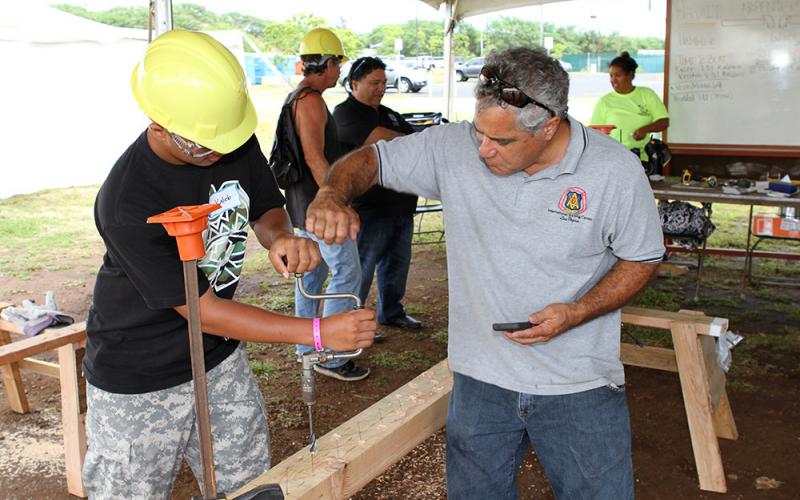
(510, 94)
(190, 148)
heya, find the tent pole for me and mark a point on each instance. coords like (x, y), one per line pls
(449, 57)
(160, 18)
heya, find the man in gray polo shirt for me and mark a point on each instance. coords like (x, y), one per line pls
(547, 222)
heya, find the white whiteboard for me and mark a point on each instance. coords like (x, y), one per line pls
(734, 73)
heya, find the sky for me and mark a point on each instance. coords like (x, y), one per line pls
(628, 17)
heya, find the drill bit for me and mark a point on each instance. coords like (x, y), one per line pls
(312, 436)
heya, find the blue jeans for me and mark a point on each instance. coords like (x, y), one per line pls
(582, 440)
(342, 260)
(385, 243)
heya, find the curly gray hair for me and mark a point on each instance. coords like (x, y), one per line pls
(533, 72)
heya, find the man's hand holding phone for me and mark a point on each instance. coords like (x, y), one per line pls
(541, 326)
(511, 327)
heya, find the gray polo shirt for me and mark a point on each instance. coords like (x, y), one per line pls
(519, 243)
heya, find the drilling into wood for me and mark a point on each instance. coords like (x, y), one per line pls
(311, 358)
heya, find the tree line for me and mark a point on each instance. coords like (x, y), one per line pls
(420, 37)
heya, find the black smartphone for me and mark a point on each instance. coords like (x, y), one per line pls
(511, 327)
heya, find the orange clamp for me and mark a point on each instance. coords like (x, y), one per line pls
(187, 224)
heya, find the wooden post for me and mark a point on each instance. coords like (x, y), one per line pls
(72, 415)
(724, 425)
(12, 380)
(699, 410)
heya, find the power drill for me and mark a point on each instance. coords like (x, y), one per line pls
(311, 358)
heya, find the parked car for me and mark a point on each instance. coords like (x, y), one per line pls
(437, 62)
(399, 74)
(566, 65)
(469, 69)
(424, 62)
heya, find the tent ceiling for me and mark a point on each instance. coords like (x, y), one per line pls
(467, 8)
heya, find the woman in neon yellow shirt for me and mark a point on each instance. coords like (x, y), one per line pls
(635, 111)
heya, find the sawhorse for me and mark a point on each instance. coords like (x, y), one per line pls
(708, 411)
(69, 344)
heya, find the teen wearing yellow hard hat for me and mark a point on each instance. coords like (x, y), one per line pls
(200, 148)
(193, 86)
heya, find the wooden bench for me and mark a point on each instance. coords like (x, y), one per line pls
(353, 454)
(69, 343)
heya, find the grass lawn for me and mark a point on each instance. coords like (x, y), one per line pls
(43, 230)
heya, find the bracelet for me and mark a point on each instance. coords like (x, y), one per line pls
(317, 339)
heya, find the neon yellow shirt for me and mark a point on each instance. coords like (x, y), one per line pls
(629, 112)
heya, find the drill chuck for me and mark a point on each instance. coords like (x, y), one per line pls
(307, 381)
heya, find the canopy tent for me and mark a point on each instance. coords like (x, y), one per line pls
(455, 10)
(65, 95)
(467, 8)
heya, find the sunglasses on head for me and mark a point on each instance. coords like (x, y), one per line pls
(510, 94)
(358, 65)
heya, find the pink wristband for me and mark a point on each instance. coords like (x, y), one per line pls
(317, 339)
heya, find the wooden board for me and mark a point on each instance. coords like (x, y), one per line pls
(50, 338)
(699, 411)
(658, 358)
(359, 450)
(73, 410)
(664, 319)
(42, 367)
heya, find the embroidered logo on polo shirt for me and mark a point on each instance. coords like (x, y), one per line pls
(573, 201)
(572, 205)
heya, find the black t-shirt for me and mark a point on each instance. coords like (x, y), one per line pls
(355, 121)
(137, 342)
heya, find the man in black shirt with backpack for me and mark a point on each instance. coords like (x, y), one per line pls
(387, 217)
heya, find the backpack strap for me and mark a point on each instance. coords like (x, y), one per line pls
(295, 94)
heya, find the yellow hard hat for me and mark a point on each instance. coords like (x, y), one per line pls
(322, 41)
(193, 86)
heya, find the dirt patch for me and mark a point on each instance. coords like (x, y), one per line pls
(762, 385)
(38, 452)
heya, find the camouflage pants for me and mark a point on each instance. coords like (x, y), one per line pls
(137, 441)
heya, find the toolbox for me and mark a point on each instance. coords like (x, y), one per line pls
(771, 225)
